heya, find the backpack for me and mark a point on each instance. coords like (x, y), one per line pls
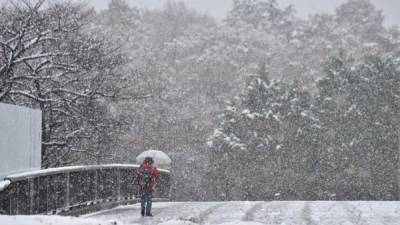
(145, 179)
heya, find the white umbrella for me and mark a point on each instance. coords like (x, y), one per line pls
(159, 157)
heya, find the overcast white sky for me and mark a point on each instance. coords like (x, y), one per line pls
(218, 8)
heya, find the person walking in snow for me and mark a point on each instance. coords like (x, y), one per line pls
(146, 177)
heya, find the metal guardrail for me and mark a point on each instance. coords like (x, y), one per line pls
(70, 190)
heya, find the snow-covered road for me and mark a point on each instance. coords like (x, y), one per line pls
(256, 213)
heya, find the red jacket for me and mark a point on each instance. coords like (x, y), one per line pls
(154, 175)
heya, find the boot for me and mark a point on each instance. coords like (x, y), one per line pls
(142, 212)
(148, 212)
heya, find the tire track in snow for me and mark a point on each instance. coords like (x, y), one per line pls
(249, 215)
(202, 217)
(306, 214)
(274, 213)
(354, 214)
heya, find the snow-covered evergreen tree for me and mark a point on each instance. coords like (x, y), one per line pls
(265, 143)
(357, 107)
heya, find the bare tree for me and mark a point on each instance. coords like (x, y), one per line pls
(53, 59)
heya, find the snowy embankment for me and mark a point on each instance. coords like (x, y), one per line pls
(232, 213)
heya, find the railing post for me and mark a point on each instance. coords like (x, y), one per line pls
(96, 180)
(9, 204)
(68, 191)
(31, 195)
(17, 200)
(119, 183)
(47, 194)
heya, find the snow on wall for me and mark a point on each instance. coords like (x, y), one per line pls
(20, 139)
(4, 184)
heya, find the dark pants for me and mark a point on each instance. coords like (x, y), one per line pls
(146, 200)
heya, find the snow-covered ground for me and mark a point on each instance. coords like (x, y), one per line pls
(51, 220)
(232, 213)
(257, 213)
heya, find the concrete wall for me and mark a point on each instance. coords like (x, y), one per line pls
(20, 139)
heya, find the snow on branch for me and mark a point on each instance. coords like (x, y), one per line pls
(55, 90)
(29, 95)
(54, 143)
(38, 56)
